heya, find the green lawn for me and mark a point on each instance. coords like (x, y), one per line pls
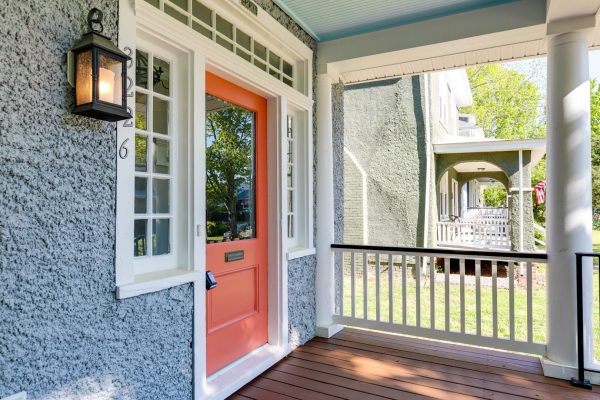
(520, 304)
(596, 241)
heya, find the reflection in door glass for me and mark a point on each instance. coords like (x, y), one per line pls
(230, 179)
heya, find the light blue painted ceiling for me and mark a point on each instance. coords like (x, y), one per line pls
(334, 19)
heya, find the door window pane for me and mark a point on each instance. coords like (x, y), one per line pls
(160, 196)
(141, 153)
(141, 69)
(160, 110)
(141, 111)
(139, 237)
(161, 156)
(161, 238)
(160, 76)
(141, 195)
(230, 171)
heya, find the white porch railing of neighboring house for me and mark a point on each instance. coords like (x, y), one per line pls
(541, 231)
(471, 297)
(486, 213)
(484, 234)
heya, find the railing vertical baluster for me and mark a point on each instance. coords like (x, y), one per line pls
(447, 293)
(495, 298)
(339, 255)
(377, 288)
(353, 284)
(462, 295)
(365, 285)
(529, 302)
(391, 288)
(418, 289)
(432, 291)
(404, 289)
(511, 298)
(478, 296)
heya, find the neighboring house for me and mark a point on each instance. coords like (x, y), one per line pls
(236, 112)
(414, 168)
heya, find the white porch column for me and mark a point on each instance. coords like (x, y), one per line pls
(569, 200)
(325, 285)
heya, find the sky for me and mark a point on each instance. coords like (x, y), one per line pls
(595, 64)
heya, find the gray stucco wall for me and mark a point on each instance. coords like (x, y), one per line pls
(64, 336)
(301, 271)
(384, 130)
(63, 333)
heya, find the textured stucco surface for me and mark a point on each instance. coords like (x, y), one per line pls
(384, 130)
(301, 299)
(64, 336)
(301, 271)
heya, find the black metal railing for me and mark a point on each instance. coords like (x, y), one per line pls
(580, 381)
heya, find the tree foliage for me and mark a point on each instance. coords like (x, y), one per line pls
(505, 103)
(494, 196)
(229, 146)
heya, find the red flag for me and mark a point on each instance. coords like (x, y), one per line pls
(540, 192)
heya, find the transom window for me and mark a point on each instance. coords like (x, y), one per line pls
(154, 172)
(208, 23)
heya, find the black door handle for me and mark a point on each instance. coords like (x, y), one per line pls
(211, 282)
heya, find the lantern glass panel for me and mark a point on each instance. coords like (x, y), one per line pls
(83, 78)
(110, 84)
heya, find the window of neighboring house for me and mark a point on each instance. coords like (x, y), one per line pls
(444, 197)
(299, 199)
(455, 209)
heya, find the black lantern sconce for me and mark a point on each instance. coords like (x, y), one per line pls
(98, 71)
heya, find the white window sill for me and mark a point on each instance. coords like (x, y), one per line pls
(298, 252)
(155, 281)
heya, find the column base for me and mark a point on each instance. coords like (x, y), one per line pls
(328, 330)
(568, 372)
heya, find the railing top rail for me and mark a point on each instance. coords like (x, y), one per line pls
(584, 254)
(507, 255)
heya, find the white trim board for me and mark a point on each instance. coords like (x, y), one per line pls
(205, 55)
(17, 396)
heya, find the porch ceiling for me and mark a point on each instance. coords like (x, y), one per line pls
(335, 19)
(386, 38)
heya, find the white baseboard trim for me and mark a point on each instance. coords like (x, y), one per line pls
(18, 396)
(328, 331)
(561, 371)
(227, 381)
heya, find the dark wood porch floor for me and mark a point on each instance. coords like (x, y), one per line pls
(364, 365)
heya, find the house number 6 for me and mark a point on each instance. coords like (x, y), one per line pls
(123, 151)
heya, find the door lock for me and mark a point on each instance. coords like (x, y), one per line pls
(211, 282)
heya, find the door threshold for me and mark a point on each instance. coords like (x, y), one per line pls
(227, 380)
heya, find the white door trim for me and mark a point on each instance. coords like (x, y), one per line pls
(207, 56)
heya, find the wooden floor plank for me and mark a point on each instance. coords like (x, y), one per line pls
(365, 365)
(469, 356)
(383, 348)
(395, 371)
(258, 393)
(288, 389)
(442, 346)
(439, 363)
(364, 382)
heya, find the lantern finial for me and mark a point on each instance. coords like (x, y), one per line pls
(95, 17)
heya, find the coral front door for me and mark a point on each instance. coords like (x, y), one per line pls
(236, 221)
